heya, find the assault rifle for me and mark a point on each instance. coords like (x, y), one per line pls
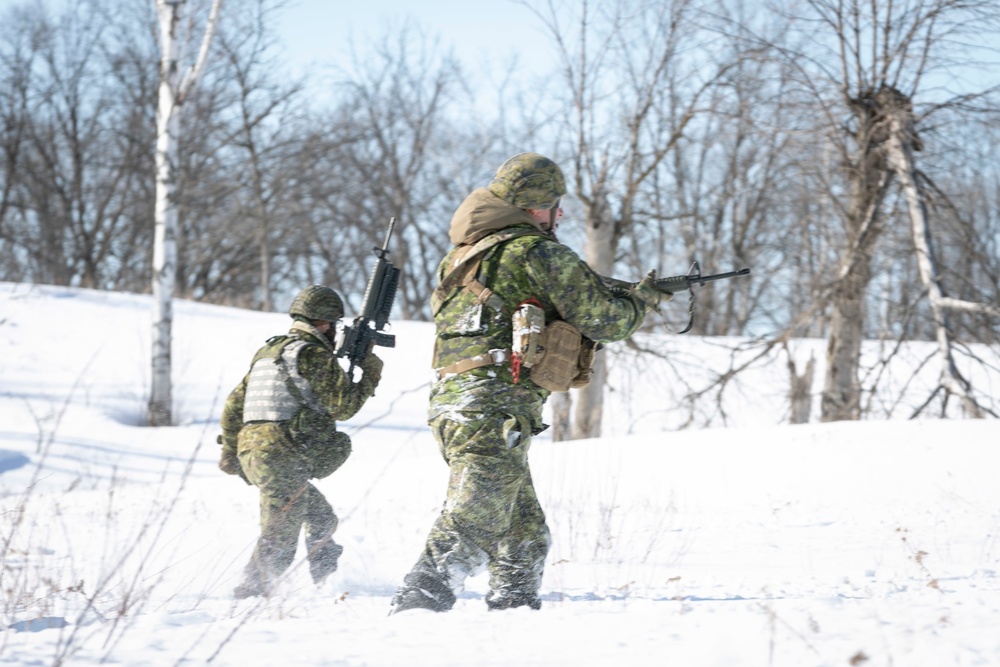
(675, 284)
(356, 340)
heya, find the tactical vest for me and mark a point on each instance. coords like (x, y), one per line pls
(464, 339)
(276, 390)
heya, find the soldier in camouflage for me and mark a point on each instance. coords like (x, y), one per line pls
(279, 430)
(482, 413)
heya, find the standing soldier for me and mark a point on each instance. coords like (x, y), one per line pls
(279, 430)
(517, 315)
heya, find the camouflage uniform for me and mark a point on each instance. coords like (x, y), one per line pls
(281, 456)
(483, 420)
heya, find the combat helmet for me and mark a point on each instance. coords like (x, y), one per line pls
(529, 180)
(317, 302)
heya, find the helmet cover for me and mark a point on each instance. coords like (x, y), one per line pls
(529, 181)
(317, 302)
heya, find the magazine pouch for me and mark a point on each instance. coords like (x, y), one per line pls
(559, 364)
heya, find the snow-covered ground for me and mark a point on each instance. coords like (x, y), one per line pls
(744, 542)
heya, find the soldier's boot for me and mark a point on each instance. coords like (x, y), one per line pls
(261, 573)
(323, 560)
(422, 591)
(248, 589)
(511, 598)
(253, 585)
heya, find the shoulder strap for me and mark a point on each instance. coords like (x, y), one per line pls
(465, 265)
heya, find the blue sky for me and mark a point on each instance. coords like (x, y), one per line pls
(317, 32)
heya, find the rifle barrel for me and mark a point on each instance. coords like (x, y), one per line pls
(384, 250)
(719, 276)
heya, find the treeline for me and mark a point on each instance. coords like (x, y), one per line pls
(688, 130)
(274, 192)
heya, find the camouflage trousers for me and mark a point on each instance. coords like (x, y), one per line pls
(491, 517)
(281, 470)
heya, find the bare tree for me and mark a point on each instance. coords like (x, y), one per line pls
(718, 201)
(18, 50)
(633, 94)
(175, 85)
(396, 144)
(266, 132)
(899, 146)
(217, 258)
(74, 144)
(967, 226)
(887, 56)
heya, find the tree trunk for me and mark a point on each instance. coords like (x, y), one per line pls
(173, 90)
(801, 390)
(560, 403)
(165, 221)
(600, 255)
(899, 152)
(842, 391)
(263, 222)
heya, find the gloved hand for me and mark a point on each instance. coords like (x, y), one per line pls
(372, 367)
(229, 463)
(647, 292)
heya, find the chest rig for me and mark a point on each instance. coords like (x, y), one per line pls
(463, 274)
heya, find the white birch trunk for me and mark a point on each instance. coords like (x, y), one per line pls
(173, 90)
(900, 158)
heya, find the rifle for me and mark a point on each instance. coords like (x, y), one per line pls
(675, 284)
(356, 340)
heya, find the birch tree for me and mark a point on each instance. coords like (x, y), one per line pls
(888, 55)
(175, 85)
(900, 143)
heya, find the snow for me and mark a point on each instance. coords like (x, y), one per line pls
(741, 542)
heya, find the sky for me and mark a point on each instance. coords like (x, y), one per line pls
(320, 30)
(743, 542)
(318, 33)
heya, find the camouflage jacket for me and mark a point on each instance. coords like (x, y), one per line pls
(337, 395)
(532, 266)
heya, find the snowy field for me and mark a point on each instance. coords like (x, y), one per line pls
(740, 542)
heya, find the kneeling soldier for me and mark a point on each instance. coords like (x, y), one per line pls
(279, 431)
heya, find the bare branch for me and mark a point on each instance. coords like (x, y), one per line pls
(968, 306)
(191, 76)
